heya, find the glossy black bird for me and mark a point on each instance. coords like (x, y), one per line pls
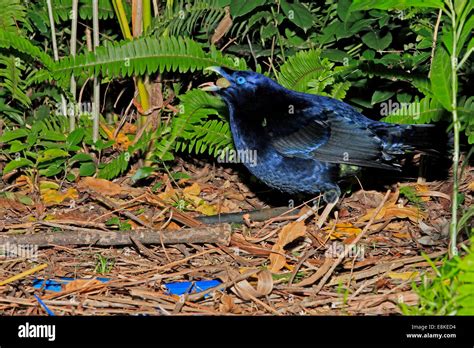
(307, 143)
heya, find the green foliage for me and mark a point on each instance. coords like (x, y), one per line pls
(307, 72)
(144, 55)
(43, 148)
(426, 110)
(192, 130)
(393, 4)
(188, 17)
(410, 194)
(11, 69)
(10, 40)
(449, 291)
(13, 12)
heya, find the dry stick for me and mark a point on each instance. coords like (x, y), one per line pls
(263, 304)
(435, 38)
(219, 234)
(350, 246)
(109, 204)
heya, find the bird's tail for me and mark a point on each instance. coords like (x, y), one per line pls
(425, 138)
(429, 139)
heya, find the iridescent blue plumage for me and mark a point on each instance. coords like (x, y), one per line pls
(301, 140)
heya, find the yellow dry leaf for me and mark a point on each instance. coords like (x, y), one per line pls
(52, 197)
(402, 275)
(287, 235)
(122, 141)
(343, 230)
(103, 186)
(420, 189)
(169, 195)
(394, 211)
(206, 209)
(412, 213)
(471, 186)
(401, 235)
(43, 185)
(24, 180)
(193, 190)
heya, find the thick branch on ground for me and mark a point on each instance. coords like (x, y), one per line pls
(219, 234)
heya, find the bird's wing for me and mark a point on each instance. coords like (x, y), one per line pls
(328, 137)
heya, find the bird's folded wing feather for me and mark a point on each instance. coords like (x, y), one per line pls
(327, 137)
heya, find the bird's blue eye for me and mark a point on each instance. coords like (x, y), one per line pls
(240, 80)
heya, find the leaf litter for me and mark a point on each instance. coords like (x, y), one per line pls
(279, 266)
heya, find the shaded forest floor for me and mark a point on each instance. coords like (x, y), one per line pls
(280, 266)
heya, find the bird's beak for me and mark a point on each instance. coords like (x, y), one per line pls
(221, 83)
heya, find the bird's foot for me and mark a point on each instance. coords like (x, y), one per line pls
(331, 196)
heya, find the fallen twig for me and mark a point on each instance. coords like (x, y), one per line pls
(219, 234)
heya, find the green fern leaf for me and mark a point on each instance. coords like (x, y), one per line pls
(12, 12)
(196, 106)
(426, 110)
(11, 78)
(144, 55)
(12, 40)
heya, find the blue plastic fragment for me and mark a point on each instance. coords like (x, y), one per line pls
(49, 311)
(181, 288)
(56, 285)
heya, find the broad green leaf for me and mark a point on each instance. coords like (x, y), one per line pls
(80, 157)
(441, 78)
(17, 163)
(70, 177)
(87, 169)
(380, 96)
(14, 134)
(52, 170)
(297, 13)
(239, 8)
(143, 172)
(374, 41)
(17, 146)
(50, 154)
(343, 7)
(358, 5)
(75, 137)
(50, 135)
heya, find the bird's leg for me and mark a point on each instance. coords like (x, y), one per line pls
(331, 197)
(334, 195)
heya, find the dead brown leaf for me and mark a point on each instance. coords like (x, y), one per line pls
(102, 186)
(288, 234)
(223, 27)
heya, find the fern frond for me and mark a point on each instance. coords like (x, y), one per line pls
(187, 17)
(62, 10)
(10, 40)
(11, 69)
(12, 12)
(210, 135)
(196, 107)
(307, 72)
(144, 55)
(426, 110)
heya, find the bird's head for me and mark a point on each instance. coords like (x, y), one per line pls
(237, 86)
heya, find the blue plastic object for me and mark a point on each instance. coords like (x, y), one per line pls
(56, 285)
(181, 288)
(46, 308)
